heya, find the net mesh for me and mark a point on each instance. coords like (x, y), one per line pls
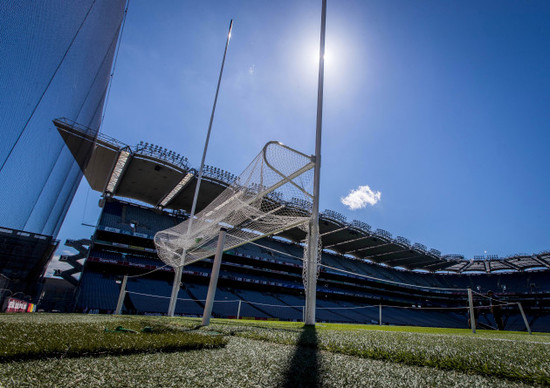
(271, 195)
(55, 61)
(316, 257)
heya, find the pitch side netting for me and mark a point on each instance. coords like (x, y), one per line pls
(273, 194)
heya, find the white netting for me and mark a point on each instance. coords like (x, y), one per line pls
(274, 193)
(305, 266)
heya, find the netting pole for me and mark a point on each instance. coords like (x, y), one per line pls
(175, 289)
(380, 314)
(214, 279)
(199, 179)
(524, 318)
(472, 316)
(177, 276)
(311, 290)
(121, 296)
(239, 310)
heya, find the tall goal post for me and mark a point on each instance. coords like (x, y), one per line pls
(179, 270)
(471, 311)
(313, 240)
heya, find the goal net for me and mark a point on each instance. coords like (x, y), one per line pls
(273, 194)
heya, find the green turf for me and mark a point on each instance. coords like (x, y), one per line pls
(24, 337)
(262, 354)
(510, 355)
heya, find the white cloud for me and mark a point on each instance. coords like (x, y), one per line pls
(361, 197)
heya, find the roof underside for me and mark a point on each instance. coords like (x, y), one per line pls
(164, 180)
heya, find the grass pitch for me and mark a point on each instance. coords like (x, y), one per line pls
(74, 350)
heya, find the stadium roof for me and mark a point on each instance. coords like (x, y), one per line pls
(165, 180)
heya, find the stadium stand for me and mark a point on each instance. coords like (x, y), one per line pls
(265, 277)
(361, 268)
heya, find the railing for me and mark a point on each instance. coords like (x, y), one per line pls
(363, 226)
(162, 153)
(403, 241)
(335, 216)
(420, 247)
(435, 252)
(276, 196)
(301, 203)
(382, 233)
(219, 174)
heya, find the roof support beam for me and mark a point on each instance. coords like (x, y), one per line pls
(386, 253)
(466, 266)
(367, 248)
(512, 265)
(176, 190)
(124, 156)
(348, 241)
(440, 266)
(333, 231)
(540, 261)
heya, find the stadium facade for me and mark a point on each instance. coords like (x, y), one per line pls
(55, 61)
(366, 276)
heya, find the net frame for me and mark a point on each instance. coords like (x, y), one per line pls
(265, 199)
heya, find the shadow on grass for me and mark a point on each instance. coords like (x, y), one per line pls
(106, 352)
(303, 369)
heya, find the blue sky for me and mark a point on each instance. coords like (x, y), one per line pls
(441, 106)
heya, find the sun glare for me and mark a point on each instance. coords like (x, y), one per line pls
(329, 58)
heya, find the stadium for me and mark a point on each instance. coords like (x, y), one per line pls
(366, 308)
(263, 279)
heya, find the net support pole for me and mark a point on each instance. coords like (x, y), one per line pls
(524, 318)
(472, 316)
(380, 314)
(214, 279)
(121, 296)
(199, 179)
(177, 276)
(311, 290)
(239, 310)
(175, 289)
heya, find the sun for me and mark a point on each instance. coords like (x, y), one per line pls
(329, 57)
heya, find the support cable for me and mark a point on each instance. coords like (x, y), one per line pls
(271, 305)
(490, 298)
(184, 299)
(362, 275)
(319, 308)
(147, 273)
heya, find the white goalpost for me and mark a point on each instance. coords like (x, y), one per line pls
(267, 198)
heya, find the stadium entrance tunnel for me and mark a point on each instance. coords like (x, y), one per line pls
(303, 369)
